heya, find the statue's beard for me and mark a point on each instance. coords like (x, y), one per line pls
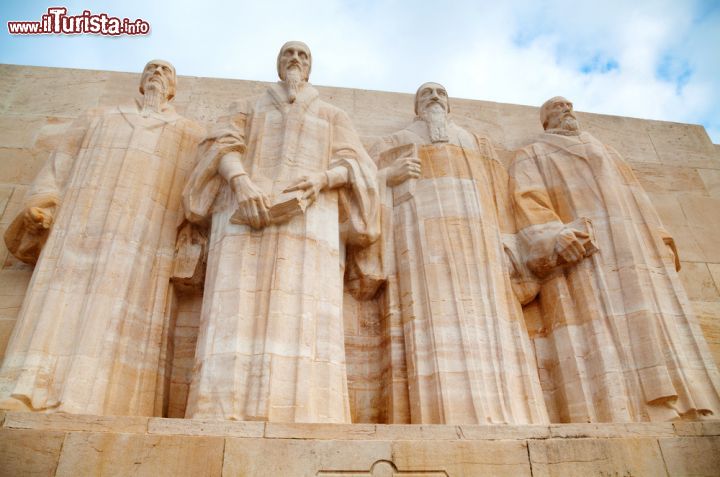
(436, 119)
(567, 126)
(293, 81)
(154, 96)
(569, 123)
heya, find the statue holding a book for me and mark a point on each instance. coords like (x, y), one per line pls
(620, 339)
(469, 358)
(286, 188)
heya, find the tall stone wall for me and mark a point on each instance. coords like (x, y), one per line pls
(677, 164)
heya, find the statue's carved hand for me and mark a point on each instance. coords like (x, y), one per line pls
(569, 247)
(402, 169)
(312, 184)
(252, 203)
(38, 219)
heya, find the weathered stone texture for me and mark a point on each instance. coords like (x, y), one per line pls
(29, 452)
(470, 458)
(143, 455)
(621, 457)
(691, 455)
(75, 422)
(676, 163)
(300, 457)
(52, 445)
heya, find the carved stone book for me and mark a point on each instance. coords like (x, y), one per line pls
(286, 206)
(404, 191)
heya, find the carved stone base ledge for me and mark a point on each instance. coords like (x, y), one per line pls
(72, 445)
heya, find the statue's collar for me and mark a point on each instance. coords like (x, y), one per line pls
(305, 95)
(563, 132)
(168, 113)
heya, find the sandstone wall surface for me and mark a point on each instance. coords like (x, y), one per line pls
(677, 164)
(60, 445)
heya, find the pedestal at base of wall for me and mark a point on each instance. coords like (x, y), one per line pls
(72, 445)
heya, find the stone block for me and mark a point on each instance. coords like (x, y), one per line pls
(29, 452)
(687, 246)
(691, 455)
(665, 179)
(502, 431)
(200, 427)
(700, 211)
(462, 458)
(609, 430)
(601, 457)
(711, 427)
(485, 118)
(75, 422)
(38, 92)
(140, 455)
(398, 109)
(688, 428)
(694, 429)
(627, 135)
(417, 432)
(211, 97)
(708, 315)
(319, 431)
(516, 125)
(698, 282)
(301, 458)
(674, 220)
(711, 179)
(704, 222)
(682, 144)
(668, 208)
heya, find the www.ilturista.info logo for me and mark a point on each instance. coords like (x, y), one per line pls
(57, 21)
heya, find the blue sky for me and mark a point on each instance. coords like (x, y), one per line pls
(649, 59)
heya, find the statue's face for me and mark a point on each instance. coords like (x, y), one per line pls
(430, 94)
(294, 55)
(559, 112)
(159, 74)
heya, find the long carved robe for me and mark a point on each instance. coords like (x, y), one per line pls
(271, 341)
(621, 343)
(88, 337)
(469, 357)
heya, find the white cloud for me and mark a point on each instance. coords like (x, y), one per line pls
(650, 59)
